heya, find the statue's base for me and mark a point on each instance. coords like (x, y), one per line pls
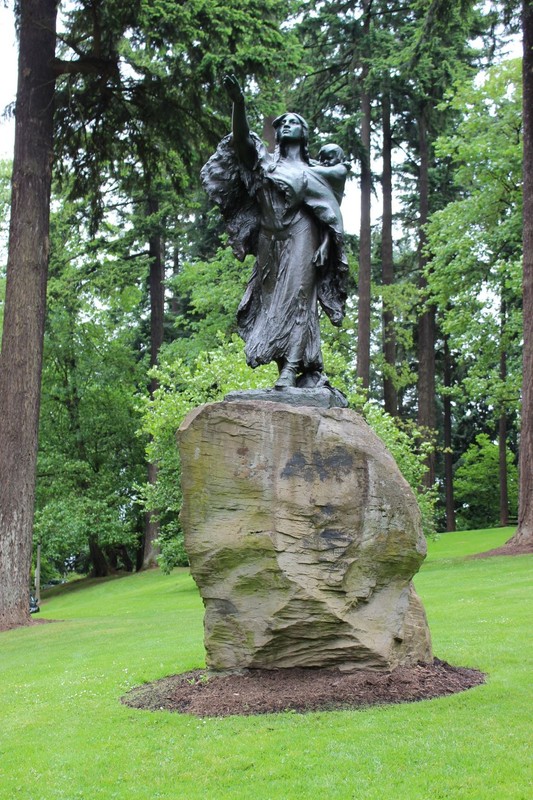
(303, 538)
(323, 397)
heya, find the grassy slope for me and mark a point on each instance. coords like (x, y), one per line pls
(64, 735)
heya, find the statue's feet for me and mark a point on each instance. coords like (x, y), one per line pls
(311, 380)
(287, 377)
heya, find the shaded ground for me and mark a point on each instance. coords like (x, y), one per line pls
(261, 691)
(510, 548)
(33, 621)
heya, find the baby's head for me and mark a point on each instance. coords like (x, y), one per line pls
(330, 155)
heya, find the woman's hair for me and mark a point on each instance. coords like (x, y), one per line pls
(278, 122)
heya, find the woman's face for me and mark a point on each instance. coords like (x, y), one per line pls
(290, 129)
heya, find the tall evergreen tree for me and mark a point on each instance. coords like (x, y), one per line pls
(390, 397)
(475, 242)
(524, 533)
(365, 228)
(24, 315)
(436, 52)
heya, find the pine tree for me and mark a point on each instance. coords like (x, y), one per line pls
(24, 315)
(524, 534)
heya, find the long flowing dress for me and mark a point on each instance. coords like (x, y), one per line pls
(281, 211)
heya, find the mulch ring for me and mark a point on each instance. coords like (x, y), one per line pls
(33, 621)
(508, 549)
(261, 691)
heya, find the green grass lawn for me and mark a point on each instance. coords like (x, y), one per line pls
(64, 734)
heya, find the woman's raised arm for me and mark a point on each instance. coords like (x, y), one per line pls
(242, 141)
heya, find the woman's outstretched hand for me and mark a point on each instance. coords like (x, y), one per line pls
(231, 85)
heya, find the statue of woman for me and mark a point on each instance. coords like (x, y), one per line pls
(284, 208)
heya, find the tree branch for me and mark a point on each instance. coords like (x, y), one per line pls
(86, 65)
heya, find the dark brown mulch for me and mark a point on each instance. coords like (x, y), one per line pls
(508, 549)
(262, 691)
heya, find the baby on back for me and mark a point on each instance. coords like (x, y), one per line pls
(334, 167)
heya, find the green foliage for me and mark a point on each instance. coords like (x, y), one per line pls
(211, 291)
(65, 525)
(410, 449)
(172, 548)
(475, 242)
(90, 457)
(402, 298)
(477, 485)
(5, 207)
(154, 105)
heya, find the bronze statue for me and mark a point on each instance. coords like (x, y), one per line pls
(284, 208)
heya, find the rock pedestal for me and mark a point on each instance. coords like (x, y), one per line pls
(303, 538)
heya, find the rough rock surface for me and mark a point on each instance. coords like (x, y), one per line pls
(303, 538)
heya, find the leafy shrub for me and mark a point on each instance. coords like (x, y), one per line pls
(477, 487)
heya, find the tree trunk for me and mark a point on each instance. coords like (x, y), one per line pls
(426, 323)
(524, 533)
(151, 528)
(365, 251)
(268, 132)
(25, 303)
(100, 567)
(502, 449)
(38, 573)
(119, 558)
(502, 427)
(175, 302)
(390, 395)
(448, 451)
(157, 332)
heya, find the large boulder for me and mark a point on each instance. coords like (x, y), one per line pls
(303, 538)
